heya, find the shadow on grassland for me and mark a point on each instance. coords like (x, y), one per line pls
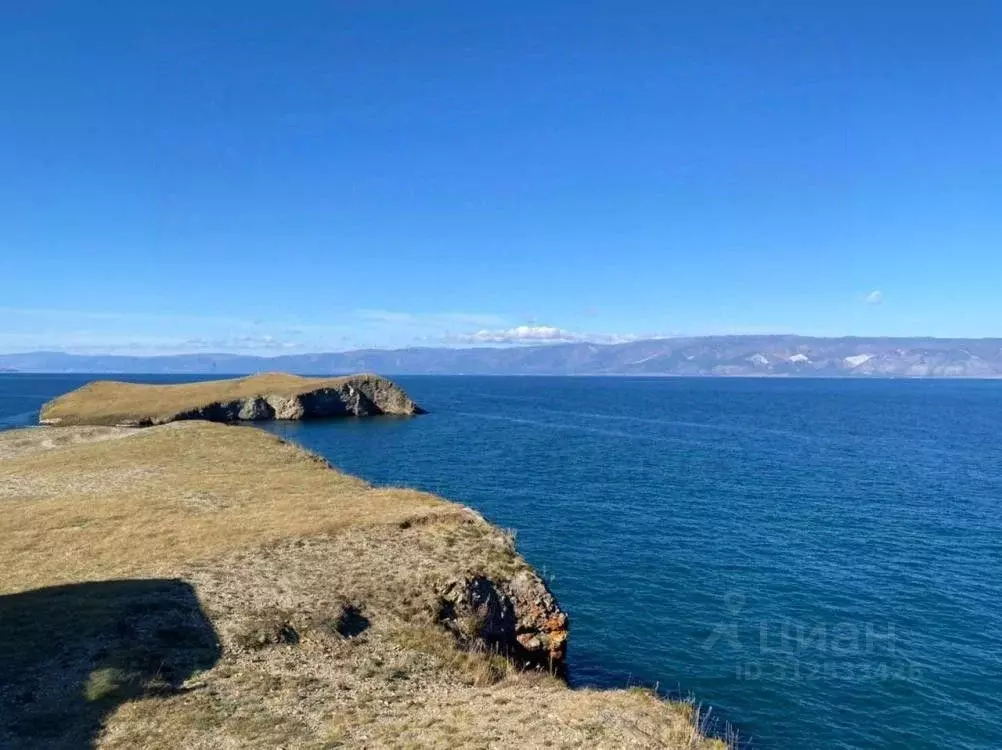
(70, 655)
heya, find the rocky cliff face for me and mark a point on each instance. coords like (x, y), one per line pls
(357, 396)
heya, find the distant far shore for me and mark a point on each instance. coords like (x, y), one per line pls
(706, 356)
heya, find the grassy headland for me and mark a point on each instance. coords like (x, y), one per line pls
(201, 586)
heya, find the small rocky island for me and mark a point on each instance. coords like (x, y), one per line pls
(254, 398)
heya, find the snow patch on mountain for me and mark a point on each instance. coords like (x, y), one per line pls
(857, 359)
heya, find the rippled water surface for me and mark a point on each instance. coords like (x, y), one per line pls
(819, 560)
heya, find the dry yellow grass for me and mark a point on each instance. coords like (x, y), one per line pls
(109, 402)
(183, 585)
(178, 492)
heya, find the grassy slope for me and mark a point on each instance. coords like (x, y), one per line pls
(110, 402)
(181, 536)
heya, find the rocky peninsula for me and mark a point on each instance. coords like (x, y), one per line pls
(202, 585)
(255, 398)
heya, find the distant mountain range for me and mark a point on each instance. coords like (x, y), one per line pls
(774, 355)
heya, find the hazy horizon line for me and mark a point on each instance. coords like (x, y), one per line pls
(498, 347)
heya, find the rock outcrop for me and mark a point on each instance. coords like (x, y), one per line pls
(356, 396)
(518, 617)
(257, 398)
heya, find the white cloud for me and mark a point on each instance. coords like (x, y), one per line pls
(522, 334)
(162, 332)
(123, 332)
(874, 298)
(540, 334)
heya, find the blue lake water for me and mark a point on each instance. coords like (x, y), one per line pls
(818, 560)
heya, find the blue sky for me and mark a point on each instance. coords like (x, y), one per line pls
(265, 177)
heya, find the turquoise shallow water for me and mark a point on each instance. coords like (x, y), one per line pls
(818, 560)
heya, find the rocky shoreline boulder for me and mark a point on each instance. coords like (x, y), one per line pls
(517, 617)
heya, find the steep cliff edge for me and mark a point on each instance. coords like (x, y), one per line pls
(255, 398)
(201, 586)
